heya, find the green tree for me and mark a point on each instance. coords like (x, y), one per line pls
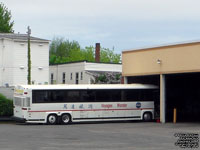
(6, 25)
(62, 51)
(89, 53)
(107, 55)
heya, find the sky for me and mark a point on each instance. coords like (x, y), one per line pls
(119, 24)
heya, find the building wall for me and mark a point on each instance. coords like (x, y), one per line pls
(40, 63)
(13, 64)
(174, 59)
(20, 65)
(73, 68)
(84, 67)
(7, 62)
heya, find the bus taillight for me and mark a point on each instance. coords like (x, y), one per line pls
(24, 108)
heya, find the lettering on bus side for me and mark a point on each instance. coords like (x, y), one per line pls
(65, 106)
(72, 106)
(81, 106)
(106, 105)
(121, 105)
(90, 106)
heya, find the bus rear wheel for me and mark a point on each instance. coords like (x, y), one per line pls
(65, 119)
(147, 117)
(52, 119)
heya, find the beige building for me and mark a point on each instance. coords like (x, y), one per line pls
(176, 70)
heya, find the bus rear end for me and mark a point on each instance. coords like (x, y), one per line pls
(21, 105)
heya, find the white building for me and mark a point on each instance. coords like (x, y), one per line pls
(13, 59)
(82, 72)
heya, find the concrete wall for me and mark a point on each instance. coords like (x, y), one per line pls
(173, 59)
(8, 92)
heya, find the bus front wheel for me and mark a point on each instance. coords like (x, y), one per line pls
(52, 119)
(147, 116)
(65, 119)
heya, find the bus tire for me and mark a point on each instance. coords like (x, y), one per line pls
(65, 118)
(147, 116)
(52, 119)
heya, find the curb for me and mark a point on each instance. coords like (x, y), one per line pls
(6, 119)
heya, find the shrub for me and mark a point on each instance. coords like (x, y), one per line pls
(6, 106)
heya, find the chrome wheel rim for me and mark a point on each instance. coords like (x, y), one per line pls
(147, 117)
(52, 119)
(65, 118)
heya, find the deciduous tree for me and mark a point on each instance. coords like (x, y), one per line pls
(6, 25)
(62, 51)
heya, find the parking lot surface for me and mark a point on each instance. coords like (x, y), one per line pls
(94, 136)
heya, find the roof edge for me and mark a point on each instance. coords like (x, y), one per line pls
(83, 61)
(162, 46)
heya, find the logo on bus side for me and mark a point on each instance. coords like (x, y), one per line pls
(138, 104)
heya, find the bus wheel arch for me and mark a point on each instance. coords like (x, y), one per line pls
(65, 118)
(52, 119)
(147, 116)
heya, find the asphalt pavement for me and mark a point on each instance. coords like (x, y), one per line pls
(95, 136)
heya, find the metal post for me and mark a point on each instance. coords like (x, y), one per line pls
(175, 114)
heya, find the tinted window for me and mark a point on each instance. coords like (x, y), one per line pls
(103, 95)
(88, 96)
(56, 96)
(72, 96)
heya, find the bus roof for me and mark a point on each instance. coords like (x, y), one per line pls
(87, 86)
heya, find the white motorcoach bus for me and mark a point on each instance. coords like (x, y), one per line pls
(63, 104)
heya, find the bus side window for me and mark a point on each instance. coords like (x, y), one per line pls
(73, 96)
(103, 96)
(116, 95)
(40, 96)
(130, 95)
(88, 96)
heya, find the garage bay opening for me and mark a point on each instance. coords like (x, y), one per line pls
(183, 93)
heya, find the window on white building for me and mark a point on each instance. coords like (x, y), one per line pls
(51, 78)
(77, 77)
(71, 76)
(81, 75)
(63, 78)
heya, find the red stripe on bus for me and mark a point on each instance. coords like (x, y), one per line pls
(88, 110)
